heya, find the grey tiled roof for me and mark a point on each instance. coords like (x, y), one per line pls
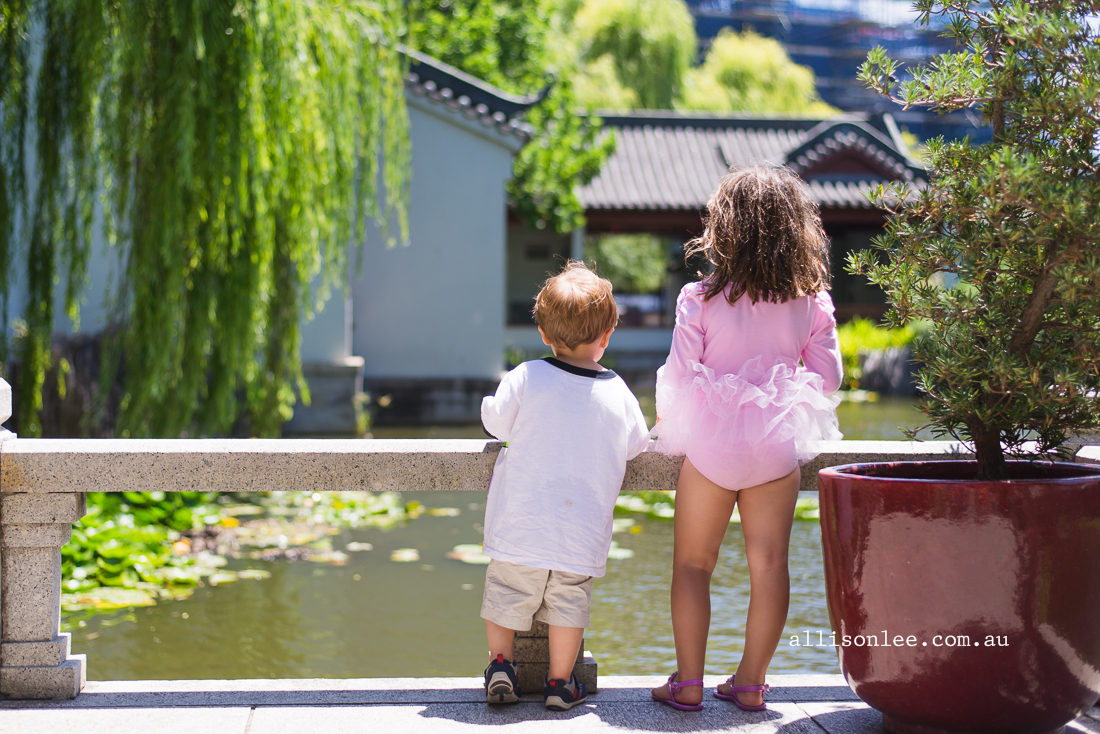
(666, 160)
(467, 95)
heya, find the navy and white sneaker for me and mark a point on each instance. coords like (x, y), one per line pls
(558, 695)
(501, 685)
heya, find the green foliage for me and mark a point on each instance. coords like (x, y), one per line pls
(634, 263)
(598, 87)
(124, 541)
(135, 548)
(747, 72)
(508, 44)
(237, 145)
(662, 505)
(636, 54)
(499, 41)
(566, 152)
(1014, 225)
(650, 43)
(864, 335)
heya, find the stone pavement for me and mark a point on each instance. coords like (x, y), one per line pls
(798, 704)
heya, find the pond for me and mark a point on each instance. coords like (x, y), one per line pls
(377, 617)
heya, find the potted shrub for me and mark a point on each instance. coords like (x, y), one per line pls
(963, 593)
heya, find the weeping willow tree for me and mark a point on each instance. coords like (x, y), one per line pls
(237, 147)
(650, 45)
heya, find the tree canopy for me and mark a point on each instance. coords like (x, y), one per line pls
(513, 45)
(650, 45)
(236, 147)
(634, 263)
(746, 72)
(638, 54)
(999, 251)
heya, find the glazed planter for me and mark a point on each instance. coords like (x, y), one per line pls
(965, 606)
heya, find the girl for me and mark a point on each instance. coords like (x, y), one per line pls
(734, 399)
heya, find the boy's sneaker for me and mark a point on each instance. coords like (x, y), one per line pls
(501, 685)
(561, 696)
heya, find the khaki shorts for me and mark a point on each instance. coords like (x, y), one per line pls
(514, 594)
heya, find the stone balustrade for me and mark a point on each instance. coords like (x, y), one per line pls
(43, 486)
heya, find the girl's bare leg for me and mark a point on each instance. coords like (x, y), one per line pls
(767, 513)
(703, 512)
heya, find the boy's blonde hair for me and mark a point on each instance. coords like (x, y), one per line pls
(575, 306)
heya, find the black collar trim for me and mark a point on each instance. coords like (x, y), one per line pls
(580, 371)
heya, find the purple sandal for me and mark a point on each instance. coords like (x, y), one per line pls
(673, 689)
(747, 689)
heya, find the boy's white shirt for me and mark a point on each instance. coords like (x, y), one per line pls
(553, 491)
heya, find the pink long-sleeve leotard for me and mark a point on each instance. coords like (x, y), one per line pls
(732, 395)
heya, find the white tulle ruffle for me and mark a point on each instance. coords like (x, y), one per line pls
(745, 413)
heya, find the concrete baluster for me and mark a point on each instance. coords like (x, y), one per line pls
(35, 658)
(531, 651)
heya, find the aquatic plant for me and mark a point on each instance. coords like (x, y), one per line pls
(662, 505)
(135, 548)
(863, 335)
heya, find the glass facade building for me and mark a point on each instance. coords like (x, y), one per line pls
(832, 37)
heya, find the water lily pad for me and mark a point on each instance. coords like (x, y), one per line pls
(615, 553)
(336, 558)
(239, 510)
(355, 547)
(444, 511)
(471, 553)
(807, 508)
(405, 555)
(107, 598)
(223, 577)
(210, 560)
(254, 574)
(618, 525)
(181, 574)
(654, 504)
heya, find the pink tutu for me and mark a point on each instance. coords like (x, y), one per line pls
(744, 429)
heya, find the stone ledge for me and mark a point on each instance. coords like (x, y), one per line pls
(840, 453)
(538, 630)
(37, 466)
(260, 465)
(37, 535)
(531, 675)
(63, 681)
(537, 650)
(1089, 455)
(350, 691)
(29, 508)
(36, 654)
(244, 465)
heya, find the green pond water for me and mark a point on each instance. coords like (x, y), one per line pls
(375, 617)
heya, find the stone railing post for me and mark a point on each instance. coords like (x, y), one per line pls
(35, 657)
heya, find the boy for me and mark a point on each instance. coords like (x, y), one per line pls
(571, 426)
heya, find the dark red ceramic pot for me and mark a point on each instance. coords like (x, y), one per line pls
(987, 594)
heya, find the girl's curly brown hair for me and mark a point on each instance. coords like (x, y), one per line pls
(764, 238)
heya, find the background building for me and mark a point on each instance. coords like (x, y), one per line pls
(426, 325)
(832, 37)
(665, 166)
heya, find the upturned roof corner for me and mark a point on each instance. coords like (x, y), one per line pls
(466, 95)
